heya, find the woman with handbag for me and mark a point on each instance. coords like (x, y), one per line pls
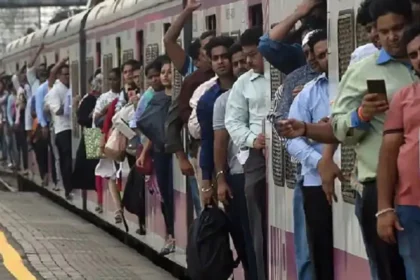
(151, 124)
(83, 176)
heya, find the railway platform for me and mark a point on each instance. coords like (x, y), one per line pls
(42, 240)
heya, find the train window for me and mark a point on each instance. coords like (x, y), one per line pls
(152, 52)
(166, 27)
(255, 15)
(44, 59)
(211, 22)
(127, 55)
(108, 63)
(57, 57)
(118, 46)
(17, 67)
(98, 54)
(140, 46)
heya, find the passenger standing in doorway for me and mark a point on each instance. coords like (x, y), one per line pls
(245, 112)
(62, 127)
(162, 160)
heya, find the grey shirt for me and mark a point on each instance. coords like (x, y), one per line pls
(219, 112)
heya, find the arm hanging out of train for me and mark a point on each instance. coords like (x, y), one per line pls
(286, 56)
(53, 75)
(180, 59)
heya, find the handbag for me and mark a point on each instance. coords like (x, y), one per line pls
(147, 168)
(92, 142)
(115, 146)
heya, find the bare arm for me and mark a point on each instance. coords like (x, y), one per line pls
(320, 132)
(387, 169)
(281, 30)
(38, 52)
(175, 52)
(53, 74)
(221, 141)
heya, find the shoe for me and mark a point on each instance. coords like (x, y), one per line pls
(168, 248)
(69, 197)
(99, 209)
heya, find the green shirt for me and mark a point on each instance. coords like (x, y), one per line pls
(367, 137)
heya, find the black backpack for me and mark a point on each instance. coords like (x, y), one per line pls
(209, 255)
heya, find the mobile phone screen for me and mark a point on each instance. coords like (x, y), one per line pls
(377, 86)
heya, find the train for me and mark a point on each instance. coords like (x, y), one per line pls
(114, 31)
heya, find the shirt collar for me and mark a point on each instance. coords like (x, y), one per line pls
(254, 75)
(384, 57)
(322, 77)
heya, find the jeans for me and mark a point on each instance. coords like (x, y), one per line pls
(383, 257)
(409, 240)
(304, 264)
(41, 146)
(238, 214)
(163, 169)
(22, 146)
(195, 194)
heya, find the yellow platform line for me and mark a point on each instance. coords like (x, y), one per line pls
(12, 260)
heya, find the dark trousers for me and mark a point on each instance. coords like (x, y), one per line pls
(318, 215)
(237, 212)
(63, 143)
(385, 260)
(22, 145)
(140, 185)
(163, 168)
(42, 157)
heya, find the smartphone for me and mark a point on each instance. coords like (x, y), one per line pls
(379, 87)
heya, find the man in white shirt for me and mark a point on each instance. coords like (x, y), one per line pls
(365, 20)
(62, 126)
(246, 110)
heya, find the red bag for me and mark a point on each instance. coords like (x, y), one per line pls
(147, 168)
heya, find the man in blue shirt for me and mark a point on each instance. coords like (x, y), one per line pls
(312, 105)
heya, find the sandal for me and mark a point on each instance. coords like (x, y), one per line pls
(168, 248)
(118, 217)
(56, 188)
(99, 209)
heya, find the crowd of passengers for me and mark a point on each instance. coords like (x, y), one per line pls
(222, 103)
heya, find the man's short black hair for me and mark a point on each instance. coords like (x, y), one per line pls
(251, 36)
(380, 8)
(97, 71)
(116, 71)
(363, 13)
(224, 41)
(235, 48)
(194, 49)
(131, 62)
(411, 33)
(317, 36)
(49, 69)
(206, 34)
(154, 65)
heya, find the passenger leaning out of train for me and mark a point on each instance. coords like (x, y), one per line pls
(151, 124)
(62, 126)
(312, 105)
(398, 188)
(180, 110)
(356, 110)
(218, 154)
(245, 113)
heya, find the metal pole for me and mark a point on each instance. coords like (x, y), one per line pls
(187, 38)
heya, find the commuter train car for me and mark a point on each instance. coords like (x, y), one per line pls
(115, 31)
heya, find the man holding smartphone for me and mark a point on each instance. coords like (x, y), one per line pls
(358, 118)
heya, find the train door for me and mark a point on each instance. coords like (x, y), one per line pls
(344, 37)
(281, 169)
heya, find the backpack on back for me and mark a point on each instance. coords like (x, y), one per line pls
(208, 251)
